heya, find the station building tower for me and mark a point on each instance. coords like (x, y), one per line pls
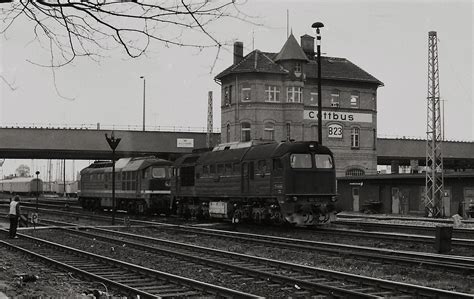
(274, 96)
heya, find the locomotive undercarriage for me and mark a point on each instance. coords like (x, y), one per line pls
(258, 210)
(307, 210)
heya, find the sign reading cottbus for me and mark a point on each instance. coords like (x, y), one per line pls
(338, 116)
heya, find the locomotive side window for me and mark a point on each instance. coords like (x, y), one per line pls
(300, 161)
(187, 176)
(205, 169)
(212, 169)
(323, 161)
(228, 168)
(158, 172)
(220, 168)
(235, 168)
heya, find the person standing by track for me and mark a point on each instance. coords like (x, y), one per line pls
(14, 215)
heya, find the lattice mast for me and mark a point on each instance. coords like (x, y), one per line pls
(434, 158)
(209, 120)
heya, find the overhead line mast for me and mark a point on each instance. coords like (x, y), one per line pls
(434, 159)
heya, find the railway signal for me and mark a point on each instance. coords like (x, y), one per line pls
(113, 143)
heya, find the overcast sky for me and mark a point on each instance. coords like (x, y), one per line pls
(388, 39)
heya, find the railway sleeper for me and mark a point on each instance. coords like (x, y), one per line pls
(157, 287)
(182, 294)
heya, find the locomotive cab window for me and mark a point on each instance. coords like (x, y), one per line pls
(301, 161)
(158, 172)
(323, 161)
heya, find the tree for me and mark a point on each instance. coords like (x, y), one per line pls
(23, 171)
(75, 28)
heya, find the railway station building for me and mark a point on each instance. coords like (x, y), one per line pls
(273, 96)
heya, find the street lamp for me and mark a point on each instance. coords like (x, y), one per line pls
(319, 25)
(113, 143)
(37, 189)
(144, 80)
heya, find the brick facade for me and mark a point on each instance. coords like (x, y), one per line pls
(250, 110)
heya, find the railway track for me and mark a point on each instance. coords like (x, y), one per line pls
(310, 281)
(439, 261)
(469, 243)
(130, 279)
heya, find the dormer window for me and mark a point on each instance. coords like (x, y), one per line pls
(298, 69)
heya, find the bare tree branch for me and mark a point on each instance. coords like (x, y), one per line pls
(78, 28)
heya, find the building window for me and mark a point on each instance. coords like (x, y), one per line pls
(227, 133)
(293, 94)
(335, 98)
(269, 131)
(355, 132)
(313, 100)
(272, 93)
(288, 131)
(355, 172)
(355, 99)
(245, 132)
(298, 69)
(228, 95)
(245, 92)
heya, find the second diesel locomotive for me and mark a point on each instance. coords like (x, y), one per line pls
(142, 185)
(291, 182)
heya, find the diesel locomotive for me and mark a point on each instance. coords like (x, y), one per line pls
(274, 182)
(142, 185)
(257, 181)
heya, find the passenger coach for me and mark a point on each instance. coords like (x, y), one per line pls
(265, 181)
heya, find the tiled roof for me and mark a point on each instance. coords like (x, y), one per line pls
(331, 67)
(255, 61)
(291, 51)
(339, 69)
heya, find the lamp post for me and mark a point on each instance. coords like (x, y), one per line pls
(113, 143)
(319, 25)
(144, 80)
(37, 189)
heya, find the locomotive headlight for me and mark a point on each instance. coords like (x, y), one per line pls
(295, 198)
(167, 184)
(334, 198)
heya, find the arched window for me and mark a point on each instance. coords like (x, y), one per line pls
(227, 133)
(269, 131)
(245, 131)
(355, 138)
(355, 172)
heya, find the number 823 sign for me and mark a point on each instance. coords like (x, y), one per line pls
(335, 131)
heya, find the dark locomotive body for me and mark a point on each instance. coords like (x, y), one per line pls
(272, 182)
(142, 185)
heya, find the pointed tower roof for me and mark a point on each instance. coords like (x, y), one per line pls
(291, 51)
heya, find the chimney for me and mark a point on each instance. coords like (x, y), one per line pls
(307, 44)
(238, 52)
